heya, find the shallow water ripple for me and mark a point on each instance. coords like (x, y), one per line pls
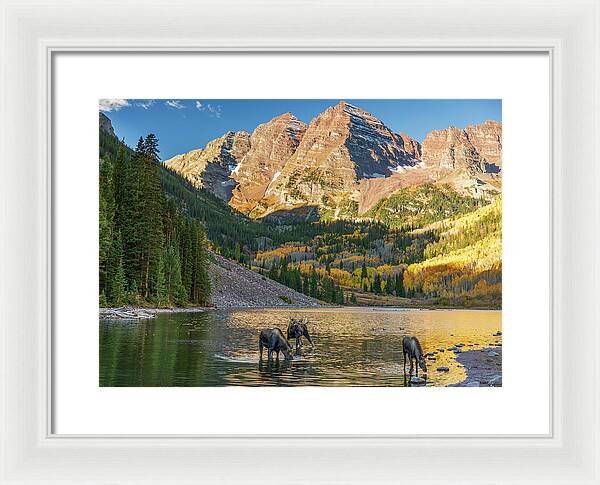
(353, 347)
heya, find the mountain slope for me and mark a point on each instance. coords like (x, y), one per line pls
(421, 204)
(466, 260)
(341, 146)
(235, 286)
(341, 165)
(405, 230)
(210, 167)
(469, 159)
(271, 146)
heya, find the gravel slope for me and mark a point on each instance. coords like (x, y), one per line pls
(235, 286)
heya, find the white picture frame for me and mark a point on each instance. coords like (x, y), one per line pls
(568, 30)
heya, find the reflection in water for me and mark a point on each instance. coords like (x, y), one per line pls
(353, 347)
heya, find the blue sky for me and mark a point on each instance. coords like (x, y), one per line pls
(182, 125)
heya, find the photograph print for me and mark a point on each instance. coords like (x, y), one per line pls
(300, 242)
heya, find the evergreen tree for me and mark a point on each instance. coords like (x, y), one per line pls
(131, 224)
(153, 215)
(377, 284)
(363, 271)
(132, 294)
(117, 284)
(150, 149)
(118, 287)
(162, 296)
(175, 291)
(142, 237)
(118, 183)
(328, 290)
(306, 285)
(314, 287)
(201, 285)
(188, 250)
(142, 217)
(399, 285)
(106, 221)
(389, 286)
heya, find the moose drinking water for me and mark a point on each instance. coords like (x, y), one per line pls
(297, 329)
(412, 347)
(274, 341)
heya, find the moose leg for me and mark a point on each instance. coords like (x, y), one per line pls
(411, 366)
(270, 355)
(277, 353)
(305, 333)
(260, 348)
(297, 344)
(417, 366)
(404, 362)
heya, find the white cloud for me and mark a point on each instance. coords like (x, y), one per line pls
(214, 110)
(146, 103)
(175, 103)
(112, 104)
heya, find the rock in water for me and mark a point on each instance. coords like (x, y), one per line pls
(443, 369)
(417, 380)
(472, 384)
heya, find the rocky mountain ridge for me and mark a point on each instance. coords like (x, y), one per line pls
(345, 157)
(211, 167)
(341, 146)
(106, 124)
(271, 146)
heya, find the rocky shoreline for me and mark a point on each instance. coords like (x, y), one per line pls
(141, 313)
(483, 367)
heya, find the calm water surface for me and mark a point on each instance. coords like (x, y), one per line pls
(353, 347)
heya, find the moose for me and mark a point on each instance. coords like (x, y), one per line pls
(412, 347)
(298, 328)
(274, 341)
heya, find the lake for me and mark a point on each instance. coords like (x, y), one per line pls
(353, 347)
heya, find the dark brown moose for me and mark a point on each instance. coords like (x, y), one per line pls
(412, 347)
(297, 329)
(274, 341)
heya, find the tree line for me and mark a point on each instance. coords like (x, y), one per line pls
(150, 252)
(312, 283)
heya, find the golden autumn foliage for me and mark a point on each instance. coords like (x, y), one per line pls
(466, 261)
(281, 252)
